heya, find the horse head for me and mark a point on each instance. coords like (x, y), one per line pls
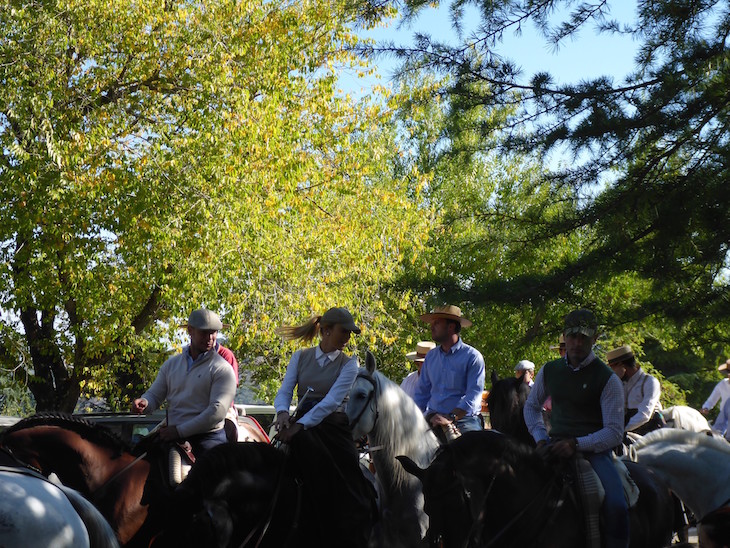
(506, 401)
(362, 404)
(456, 489)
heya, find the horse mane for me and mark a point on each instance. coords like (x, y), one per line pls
(94, 433)
(506, 400)
(674, 436)
(477, 448)
(400, 429)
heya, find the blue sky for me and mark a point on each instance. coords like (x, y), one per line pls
(590, 55)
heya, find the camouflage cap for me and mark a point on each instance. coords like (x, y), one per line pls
(581, 321)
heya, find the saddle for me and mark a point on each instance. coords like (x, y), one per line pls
(591, 493)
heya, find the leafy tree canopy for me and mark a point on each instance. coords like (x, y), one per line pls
(635, 224)
(160, 156)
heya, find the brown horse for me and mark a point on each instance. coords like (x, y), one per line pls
(127, 489)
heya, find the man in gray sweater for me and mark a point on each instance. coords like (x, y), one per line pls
(199, 386)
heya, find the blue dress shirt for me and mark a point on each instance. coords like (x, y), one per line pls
(449, 380)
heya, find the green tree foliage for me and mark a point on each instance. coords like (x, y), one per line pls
(635, 225)
(157, 156)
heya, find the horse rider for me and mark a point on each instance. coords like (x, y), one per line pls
(721, 392)
(418, 356)
(525, 370)
(449, 389)
(587, 416)
(641, 392)
(199, 386)
(319, 434)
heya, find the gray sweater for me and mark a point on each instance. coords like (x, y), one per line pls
(197, 399)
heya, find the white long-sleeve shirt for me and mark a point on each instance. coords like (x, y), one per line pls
(642, 392)
(720, 393)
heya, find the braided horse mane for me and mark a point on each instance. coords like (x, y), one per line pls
(94, 433)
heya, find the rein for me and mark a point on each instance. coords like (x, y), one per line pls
(102, 489)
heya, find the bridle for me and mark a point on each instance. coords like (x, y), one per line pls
(371, 402)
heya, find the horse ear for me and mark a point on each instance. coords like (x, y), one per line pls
(494, 378)
(370, 363)
(411, 467)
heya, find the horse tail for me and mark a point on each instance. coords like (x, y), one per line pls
(100, 532)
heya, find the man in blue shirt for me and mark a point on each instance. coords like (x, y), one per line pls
(449, 389)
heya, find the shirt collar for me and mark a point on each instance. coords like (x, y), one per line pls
(319, 354)
(588, 359)
(454, 349)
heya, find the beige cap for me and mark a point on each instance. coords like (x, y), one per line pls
(205, 319)
(724, 366)
(524, 365)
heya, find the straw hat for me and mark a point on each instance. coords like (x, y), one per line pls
(561, 343)
(422, 348)
(448, 312)
(619, 354)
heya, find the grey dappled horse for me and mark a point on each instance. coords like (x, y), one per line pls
(395, 426)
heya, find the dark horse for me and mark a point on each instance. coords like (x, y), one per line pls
(486, 489)
(125, 488)
(505, 401)
(245, 495)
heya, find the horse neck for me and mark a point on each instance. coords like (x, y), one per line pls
(523, 509)
(79, 463)
(698, 475)
(399, 430)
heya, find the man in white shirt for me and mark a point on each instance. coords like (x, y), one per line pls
(720, 393)
(641, 392)
(418, 357)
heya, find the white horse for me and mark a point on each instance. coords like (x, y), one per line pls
(685, 418)
(36, 513)
(694, 465)
(394, 424)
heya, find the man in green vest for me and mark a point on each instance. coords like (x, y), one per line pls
(587, 416)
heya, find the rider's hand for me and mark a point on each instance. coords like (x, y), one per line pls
(139, 405)
(437, 419)
(285, 435)
(564, 449)
(169, 433)
(282, 421)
